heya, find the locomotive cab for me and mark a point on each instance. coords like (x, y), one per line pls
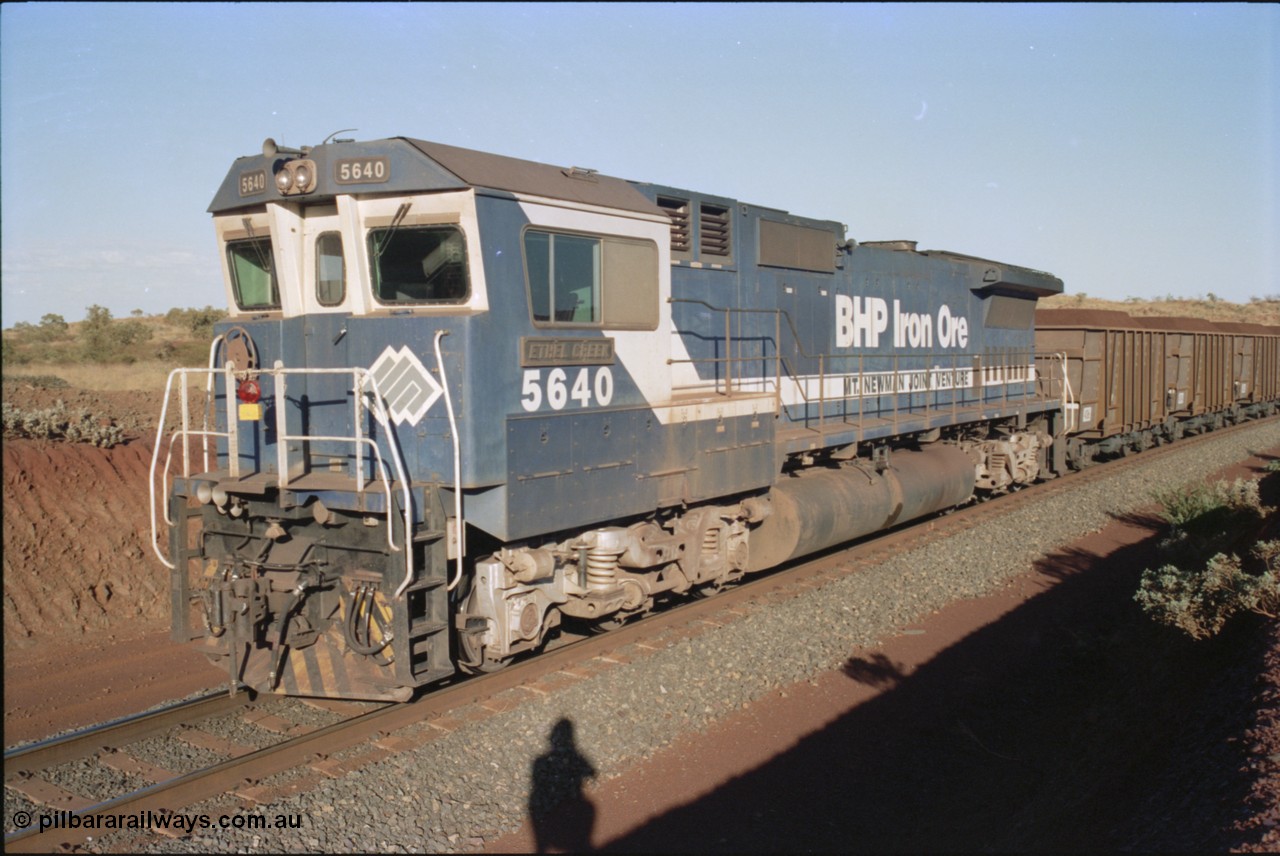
(317, 536)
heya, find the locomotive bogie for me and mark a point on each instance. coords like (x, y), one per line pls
(601, 575)
(1018, 458)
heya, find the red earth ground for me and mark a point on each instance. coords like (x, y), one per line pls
(1052, 715)
(1049, 716)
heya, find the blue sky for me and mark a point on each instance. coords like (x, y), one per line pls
(1133, 150)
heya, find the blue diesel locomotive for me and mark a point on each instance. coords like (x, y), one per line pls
(461, 397)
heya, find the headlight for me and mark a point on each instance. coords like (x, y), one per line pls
(296, 176)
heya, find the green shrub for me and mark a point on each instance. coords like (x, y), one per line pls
(1206, 584)
(199, 321)
(1188, 507)
(38, 381)
(53, 326)
(132, 331)
(103, 339)
(11, 354)
(59, 423)
(97, 344)
(1199, 602)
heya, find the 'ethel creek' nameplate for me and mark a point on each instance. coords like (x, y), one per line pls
(536, 352)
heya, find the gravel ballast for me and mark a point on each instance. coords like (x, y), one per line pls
(474, 783)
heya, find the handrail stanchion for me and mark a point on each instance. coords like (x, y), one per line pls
(862, 401)
(822, 391)
(233, 427)
(151, 481)
(955, 388)
(728, 358)
(186, 429)
(208, 395)
(357, 425)
(282, 432)
(460, 523)
(896, 394)
(777, 362)
(183, 435)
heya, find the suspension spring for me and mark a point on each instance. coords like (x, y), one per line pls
(602, 568)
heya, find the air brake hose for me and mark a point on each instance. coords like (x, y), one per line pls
(280, 631)
(282, 624)
(362, 598)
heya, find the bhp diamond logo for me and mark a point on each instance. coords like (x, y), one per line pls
(407, 388)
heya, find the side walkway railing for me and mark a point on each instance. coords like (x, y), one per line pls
(914, 383)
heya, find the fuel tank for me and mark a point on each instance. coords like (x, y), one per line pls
(820, 507)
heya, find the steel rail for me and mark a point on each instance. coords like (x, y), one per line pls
(84, 742)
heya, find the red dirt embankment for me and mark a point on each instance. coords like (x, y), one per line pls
(86, 601)
(77, 558)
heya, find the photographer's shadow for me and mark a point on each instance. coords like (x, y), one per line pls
(563, 818)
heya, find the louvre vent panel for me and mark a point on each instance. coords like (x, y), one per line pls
(714, 230)
(678, 211)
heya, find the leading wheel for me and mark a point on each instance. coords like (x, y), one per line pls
(604, 625)
(472, 659)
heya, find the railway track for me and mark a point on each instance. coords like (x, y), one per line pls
(84, 742)
(367, 736)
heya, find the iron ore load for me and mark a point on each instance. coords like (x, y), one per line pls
(462, 398)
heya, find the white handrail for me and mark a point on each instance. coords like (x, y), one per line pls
(460, 526)
(360, 379)
(208, 391)
(185, 433)
(151, 483)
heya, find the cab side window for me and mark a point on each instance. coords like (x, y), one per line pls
(564, 277)
(591, 281)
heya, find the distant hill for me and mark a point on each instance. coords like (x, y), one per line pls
(1259, 310)
(101, 344)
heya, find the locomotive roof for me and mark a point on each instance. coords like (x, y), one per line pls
(416, 166)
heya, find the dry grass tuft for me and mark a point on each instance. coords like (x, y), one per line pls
(104, 377)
